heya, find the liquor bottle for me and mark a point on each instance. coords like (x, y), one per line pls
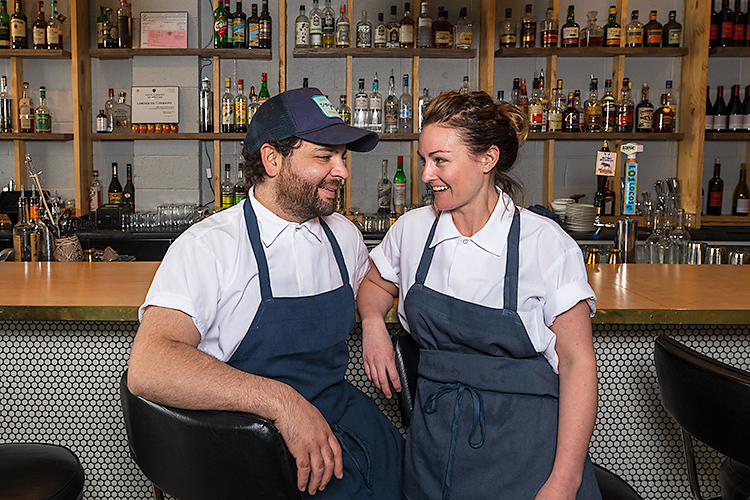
(253, 28)
(95, 192)
(672, 102)
(380, 33)
(252, 105)
(114, 192)
(424, 100)
(108, 106)
(25, 111)
(535, 110)
(109, 31)
(736, 116)
(544, 97)
(464, 31)
(612, 29)
(264, 27)
(128, 192)
(713, 37)
(634, 31)
(221, 26)
(18, 38)
(342, 29)
(671, 33)
(571, 118)
(263, 94)
(592, 109)
(329, 25)
(528, 28)
(570, 30)
(442, 31)
(205, 107)
(405, 112)
(393, 41)
(424, 28)
(721, 112)
(715, 191)
(746, 109)
(465, 89)
(523, 97)
(399, 187)
(344, 110)
(741, 196)
(625, 108)
(54, 28)
(579, 109)
(364, 31)
(508, 30)
(100, 22)
(740, 21)
(227, 188)
(375, 108)
(6, 106)
(361, 106)
(550, 27)
(4, 26)
(609, 108)
(101, 122)
(644, 112)
(316, 25)
(555, 115)
(124, 38)
(664, 117)
(515, 93)
(227, 107)
(592, 34)
(239, 27)
(390, 113)
(240, 108)
(726, 25)
(39, 29)
(652, 31)
(121, 114)
(42, 117)
(240, 192)
(25, 236)
(384, 191)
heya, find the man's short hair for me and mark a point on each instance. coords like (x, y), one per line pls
(252, 166)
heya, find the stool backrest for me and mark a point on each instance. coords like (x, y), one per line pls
(199, 454)
(407, 365)
(709, 399)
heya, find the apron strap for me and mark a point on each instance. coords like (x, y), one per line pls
(251, 221)
(427, 254)
(336, 252)
(510, 288)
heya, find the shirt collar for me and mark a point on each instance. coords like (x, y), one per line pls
(487, 237)
(271, 225)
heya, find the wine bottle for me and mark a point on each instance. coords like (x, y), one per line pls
(128, 192)
(715, 191)
(713, 37)
(746, 109)
(741, 196)
(726, 25)
(721, 112)
(709, 111)
(114, 192)
(736, 116)
(738, 34)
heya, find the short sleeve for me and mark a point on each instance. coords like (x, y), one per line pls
(568, 283)
(362, 265)
(387, 255)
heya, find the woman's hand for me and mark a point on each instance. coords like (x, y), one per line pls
(379, 357)
(554, 490)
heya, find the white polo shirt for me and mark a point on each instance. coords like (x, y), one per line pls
(552, 276)
(210, 272)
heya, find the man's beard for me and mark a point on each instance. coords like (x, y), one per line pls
(300, 198)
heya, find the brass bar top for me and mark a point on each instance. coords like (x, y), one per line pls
(626, 293)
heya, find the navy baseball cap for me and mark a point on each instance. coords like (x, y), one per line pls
(308, 114)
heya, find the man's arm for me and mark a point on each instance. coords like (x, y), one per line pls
(167, 367)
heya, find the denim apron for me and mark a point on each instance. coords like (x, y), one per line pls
(486, 409)
(301, 341)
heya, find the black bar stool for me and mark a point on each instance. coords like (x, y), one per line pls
(36, 471)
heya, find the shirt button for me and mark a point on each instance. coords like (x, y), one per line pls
(297, 228)
(466, 241)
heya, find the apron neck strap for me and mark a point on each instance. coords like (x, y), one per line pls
(336, 252)
(427, 254)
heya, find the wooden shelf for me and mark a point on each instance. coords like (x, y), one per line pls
(384, 53)
(398, 137)
(610, 136)
(179, 136)
(591, 51)
(36, 53)
(728, 136)
(729, 52)
(16, 136)
(223, 53)
(724, 220)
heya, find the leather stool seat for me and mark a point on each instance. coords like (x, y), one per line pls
(734, 479)
(35, 471)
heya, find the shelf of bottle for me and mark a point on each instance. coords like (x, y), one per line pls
(39, 53)
(728, 136)
(591, 51)
(724, 220)
(383, 53)
(729, 51)
(398, 137)
(223, 53)
(610, 136)
(178, 136)
(28, 136)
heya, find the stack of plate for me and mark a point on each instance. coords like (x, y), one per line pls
(559, 205)
(579, 217)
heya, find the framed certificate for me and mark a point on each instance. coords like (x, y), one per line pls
(164, 30)
(155, 104)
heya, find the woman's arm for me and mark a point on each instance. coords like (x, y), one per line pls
(374, 300)
(578, 401)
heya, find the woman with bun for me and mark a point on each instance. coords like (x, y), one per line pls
(498, 300)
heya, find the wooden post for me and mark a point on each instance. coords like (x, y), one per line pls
(487, 45)
(19, 146)
(81, 85)
(415, 177)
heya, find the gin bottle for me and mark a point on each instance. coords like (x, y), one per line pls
(405, 112)
(375, 108)
(205, 107)
(361, 106)
(364, 31)
(380, 34)
(393, 30)
(424, 100)
(391, 107)
(316, 26)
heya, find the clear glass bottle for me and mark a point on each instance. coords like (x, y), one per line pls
(591, 35)
(406, 33)
(405, 112)
(253, 104)
(508, 30)
(95, 192)
(240, 108)
(680, 237)
(205, 107)
(424, 100)
(227, 107)
(464, 31)
(380, 33)
(121, 114)
(26, 110)
(361, 106)
(375, 108)
(42, 116)
(555, 114)
(384, 190)
(390, 112)
(550, 27)
(364, 31)
(392, 40)
(592, 109)
(25, 235)
(609, 108)
(342, 29)
(535, 113)
(328, 19)
(108, 106)
(625, 108)
(6, 106)
(528, 28)
(302, 29)
(227, 188)
(424, 28)
(316, 26)
(634, 31)
(344, 110)
(667, 248)
(54, 28)
(652, 242)
(124, 37)
(465, 89)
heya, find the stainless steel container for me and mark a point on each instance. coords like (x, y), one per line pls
(625, 237)
(738, 257)
(696, 252)
(716, 255)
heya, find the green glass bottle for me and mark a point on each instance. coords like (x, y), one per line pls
(263, 95)
(4, 26)
(222, 18)
(399, 187)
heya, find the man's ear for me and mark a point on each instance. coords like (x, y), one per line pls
(271, 160)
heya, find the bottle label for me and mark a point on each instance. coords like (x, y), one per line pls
(99, 33)
(43, 122)
(18, 28)
(115, 198)
(528, 34)
(240, 113)
(95, 198)
(390, 116)
(316, 25)
(264, 30)
(227, 114)
(710, 122)
(721, 122)
(571, 122)
(727, 29)
(301, 34)
(743, 206)
(443, 37)
(227, 200)
(653, 37)
(555, 122)
(674, 36)
(364, 36)
(342, 34)
(253, 31)
(645, 118)
(634, 37)
(713, 32)
(399, 195)
(238, 31)
(384, 196)
(535, 115)
(465, 38)
(101, 124)
(625, 120)
(220, 27)
(328, 22)
(406, 34)
(424, 22)
(381, 35)
(508, 39)
(613, 37)
(4, 36)
(570, 36)
(393, 36)
(746, 122)
(39, 36)
(360, 102)
(375, 103)
(550, 38)
(53, 35)
(736, 122)
(715, 199)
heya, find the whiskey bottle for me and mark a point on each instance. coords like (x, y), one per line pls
(536, 109)
(528, 28)
(625, 108)
(264, 27)
(227, 107)
(591, 35)
(508, 30)
(114, 192)
(406, 29)
(664, 116)
(570, 30)
(4, 26)
(609, 108)
(54, 28)
(25, 236)
(644, 112)
(100, 22)
(612, 29)
(109, 31)
(39, 29)
(550, 26)
(592, 109)
(124, 39)
(442, 31)
(6, 107)
(18, 38)
(634, 31)
(652, 31)
(26, 111)
(671, 35)
(227, 188)
(42, 117)
(128, 192)
(571, 118)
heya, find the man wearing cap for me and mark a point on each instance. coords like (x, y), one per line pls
(250, 309)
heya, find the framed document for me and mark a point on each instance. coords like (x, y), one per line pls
(164, 30)
(155, 105)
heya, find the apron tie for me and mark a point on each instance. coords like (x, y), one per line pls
(430, 406)
(366, 472)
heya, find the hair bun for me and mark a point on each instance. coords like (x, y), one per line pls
(518, 120)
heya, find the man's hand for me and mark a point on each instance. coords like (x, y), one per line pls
(312, 444)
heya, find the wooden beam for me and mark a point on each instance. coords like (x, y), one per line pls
(415, 177)
(487, 45)
(81, 86)
(19, 146)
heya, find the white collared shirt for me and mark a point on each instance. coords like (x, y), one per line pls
(552, 276)
(210, 272)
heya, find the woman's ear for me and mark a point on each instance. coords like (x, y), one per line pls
(271, 160)
(490, 158)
